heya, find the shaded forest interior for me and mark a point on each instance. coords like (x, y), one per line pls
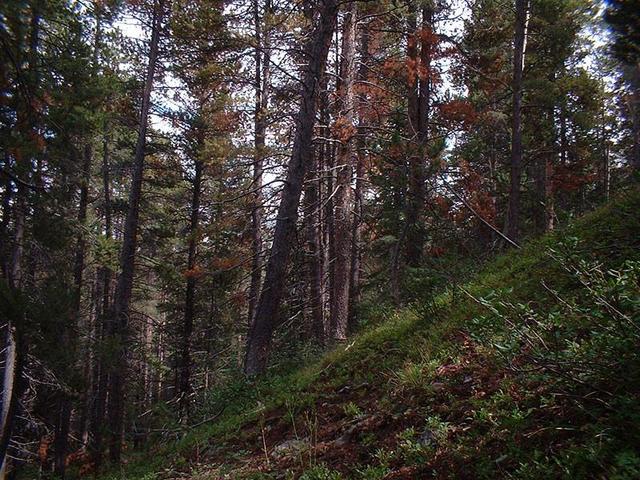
(198, 197)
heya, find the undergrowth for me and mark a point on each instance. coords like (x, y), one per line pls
(531, 370)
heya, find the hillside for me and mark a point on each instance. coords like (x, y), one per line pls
(268, 239)
(530, 371)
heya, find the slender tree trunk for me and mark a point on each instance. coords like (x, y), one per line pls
(343, 216)
(14, 349)
(413, 114)
(606, 168)
(356, 234)
(14, 346)
(100, 370)
(420, 103)
(512, 223)
(88, 357)
(330, 228)
(124, 285)
(189, 302)
(7, 196)
(314, 249)
(20, 212)
(542, 169)
(259, 340)
(634, 107)
(63, 417)
(262, 79)
(11, 373)
(356, 240)
(549, 201)
(325, 204)
(412, 248)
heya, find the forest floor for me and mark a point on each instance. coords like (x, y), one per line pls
(531, 370)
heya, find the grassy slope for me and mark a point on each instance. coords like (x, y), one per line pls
(449, 391)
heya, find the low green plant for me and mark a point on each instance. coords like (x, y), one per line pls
(414, 376)
(438, 428)
(352, 410)
(410, 449)
(321, 472)
(372, 472)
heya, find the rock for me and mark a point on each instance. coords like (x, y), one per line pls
(427, 439)
(289, 448)
(346, 437)
(437, 386)
(345, 389)
(363, 423)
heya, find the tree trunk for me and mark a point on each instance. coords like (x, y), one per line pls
(606, 167)
(189, 306)
(7, 195)
(634, 108)
(420, 103)
(124, 285)
(63, 417)
(343, 207)
(259, 340)
(325, 204)
(262, 79)
(543, 167)
(100, 370)
(356, 233)
(412, 246)
(512, 223)
(14, 346)
(313, 233)
(11, 372)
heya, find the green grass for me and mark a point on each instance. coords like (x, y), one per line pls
(413, 365)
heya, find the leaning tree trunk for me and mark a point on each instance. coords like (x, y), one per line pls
(261, 85)
(259, 340)
(124, 285)
(512, 223)
(343, 207)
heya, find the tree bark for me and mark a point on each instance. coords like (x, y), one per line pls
(343, 209)
(512, 223)
(124, 285)
(259, 340)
